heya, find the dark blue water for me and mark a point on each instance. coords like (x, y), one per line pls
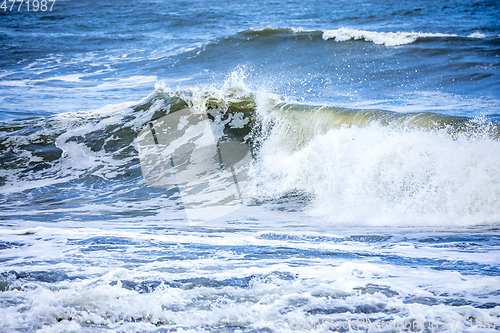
(371, 142)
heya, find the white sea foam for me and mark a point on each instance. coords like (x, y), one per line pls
(371, 174)
(379, 174)
(106, 300)
(385, 38)
(477, 34)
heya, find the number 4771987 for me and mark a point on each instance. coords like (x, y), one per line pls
(29, 5)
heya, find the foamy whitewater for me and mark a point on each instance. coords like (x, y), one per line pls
(250, 167)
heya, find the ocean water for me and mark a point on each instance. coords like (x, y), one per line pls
(257, 166)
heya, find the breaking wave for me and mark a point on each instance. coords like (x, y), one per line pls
(345, 34)
(385, 38)
(353, 166)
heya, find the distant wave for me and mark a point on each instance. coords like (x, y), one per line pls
(345, 34)
(385, 38)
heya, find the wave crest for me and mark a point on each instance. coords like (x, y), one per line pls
(382, 38)
(345, 34)
(357, 166)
